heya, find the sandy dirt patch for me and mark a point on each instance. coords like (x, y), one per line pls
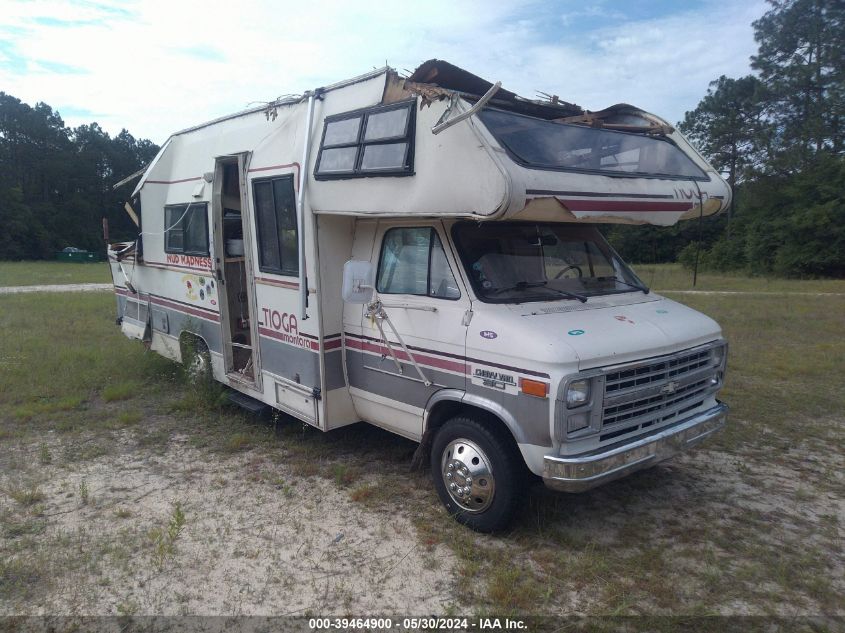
(294, 546)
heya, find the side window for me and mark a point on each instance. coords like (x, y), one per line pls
(186, 229)
(275, 219)
(413, 262)
(372, 142)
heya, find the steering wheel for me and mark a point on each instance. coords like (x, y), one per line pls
(568, 268)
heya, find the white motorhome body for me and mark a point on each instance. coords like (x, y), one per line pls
(445, 199)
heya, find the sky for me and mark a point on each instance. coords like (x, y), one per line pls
(158, 66)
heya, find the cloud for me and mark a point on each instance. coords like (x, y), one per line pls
(46, 20)
(57, 68)
(204, 53)
(155, 66)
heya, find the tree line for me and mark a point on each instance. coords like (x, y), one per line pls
(56, 182)
(778, 136)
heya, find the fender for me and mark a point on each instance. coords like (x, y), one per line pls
(480, 402)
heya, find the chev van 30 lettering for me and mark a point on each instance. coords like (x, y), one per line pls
(492, 324)
(494, 378)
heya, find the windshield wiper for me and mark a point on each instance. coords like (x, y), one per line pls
(645, 289)
(525, 285)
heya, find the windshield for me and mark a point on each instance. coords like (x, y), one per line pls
(548, 145)
(517, 262)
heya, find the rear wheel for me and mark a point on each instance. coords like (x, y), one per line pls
(477, 474)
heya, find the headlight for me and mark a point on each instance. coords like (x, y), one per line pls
(577, 393)
(718, 355)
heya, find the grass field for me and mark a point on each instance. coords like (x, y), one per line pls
(675, 277)
(750, 523)
(47, 272)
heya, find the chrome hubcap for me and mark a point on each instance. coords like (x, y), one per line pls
(468, 476)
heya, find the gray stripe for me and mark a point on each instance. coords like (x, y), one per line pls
(530, 415)
(294, 363)
(180, 322)
(393, 386)
(334, 370)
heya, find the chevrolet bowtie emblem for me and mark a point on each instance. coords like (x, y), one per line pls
(669, 388)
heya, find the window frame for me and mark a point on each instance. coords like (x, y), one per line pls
(601, 243)
(185, 211)
(269, 269)
(701, 176)
(432, 231)
(361, 144)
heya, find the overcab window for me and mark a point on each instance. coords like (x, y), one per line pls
(275, 219)
(373, 142)
(186, 229)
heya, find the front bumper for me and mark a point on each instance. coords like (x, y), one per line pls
(581, 472)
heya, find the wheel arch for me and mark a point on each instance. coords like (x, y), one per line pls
(189, 342)
(447, 403)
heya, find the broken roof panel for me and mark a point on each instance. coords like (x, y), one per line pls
(449, 76)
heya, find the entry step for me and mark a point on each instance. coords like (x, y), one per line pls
(248, 403)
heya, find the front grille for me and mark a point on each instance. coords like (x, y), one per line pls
(656, 392)
(660, 371)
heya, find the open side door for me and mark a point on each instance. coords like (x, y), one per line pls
(233, 269)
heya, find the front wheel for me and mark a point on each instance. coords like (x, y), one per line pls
(477, 474)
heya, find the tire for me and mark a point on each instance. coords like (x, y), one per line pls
(469, 454)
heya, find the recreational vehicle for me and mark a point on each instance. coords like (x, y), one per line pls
(424, 254)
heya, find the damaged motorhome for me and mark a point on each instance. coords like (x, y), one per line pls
(423, 253)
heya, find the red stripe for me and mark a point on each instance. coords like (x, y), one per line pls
(252, 169)
(281, 336)
(468, 359)
(281, 284)
(275, 167)
(171, 182)
(625, 206)
(430, 361)
(330, 345)
(198, 312)
(125, 292)
(208, 315)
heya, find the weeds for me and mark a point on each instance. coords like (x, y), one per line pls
(344, 474)
(363, 493)
(128, 418)
(120, 391)
(164, 539)
(26, 496)
(237, 442)
(32, 410)
(83, 492)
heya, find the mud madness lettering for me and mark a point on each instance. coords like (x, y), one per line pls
(189, 260)
(285, 327)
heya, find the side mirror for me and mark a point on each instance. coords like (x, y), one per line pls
(358, 282)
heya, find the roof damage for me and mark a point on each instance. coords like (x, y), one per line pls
(436, 79)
